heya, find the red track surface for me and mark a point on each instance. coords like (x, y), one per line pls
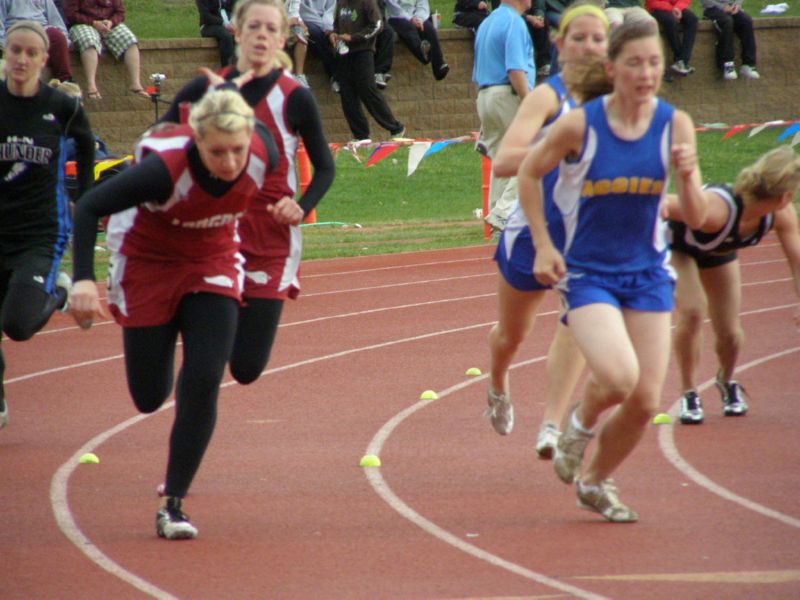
(456, 511)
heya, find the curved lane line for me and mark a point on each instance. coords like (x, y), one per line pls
(59, 484)
(60, 480)
(68, 526)
(666, 440)
(383, 490)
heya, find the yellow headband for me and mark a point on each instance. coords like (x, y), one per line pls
(573, 13)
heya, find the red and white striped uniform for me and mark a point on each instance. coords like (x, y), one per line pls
(163, 251)
(272, 251)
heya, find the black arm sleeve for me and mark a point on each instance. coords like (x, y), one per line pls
(303, 115)
(80, 130)
(148, 179)
(269, 145)
(191, 92)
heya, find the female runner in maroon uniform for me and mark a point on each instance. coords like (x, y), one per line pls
(176, 270)
(271, 238)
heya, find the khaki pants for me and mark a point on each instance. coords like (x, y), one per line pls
(497, 106)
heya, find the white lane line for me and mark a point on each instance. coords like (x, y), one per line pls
(60, 481)
(399, 284)
(66, 523)
(387, 308)
(666, 440)
(383, 490)
(59, 484)
(44, 372)
(488, 257)
(767, 282)
(71, 328)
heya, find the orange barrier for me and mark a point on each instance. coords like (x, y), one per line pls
(304, 177)
(486, 177)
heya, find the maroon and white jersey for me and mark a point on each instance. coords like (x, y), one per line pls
(272, 251)
(189, 243)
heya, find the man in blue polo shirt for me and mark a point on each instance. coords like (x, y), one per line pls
(504, 72)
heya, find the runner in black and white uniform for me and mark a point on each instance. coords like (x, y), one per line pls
(709, 281)
(35, 121)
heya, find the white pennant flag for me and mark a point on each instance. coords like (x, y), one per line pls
(415, 154)
(763, 126)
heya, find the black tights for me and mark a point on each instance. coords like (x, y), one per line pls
(255, 335)
(26, 309)
(207, 325)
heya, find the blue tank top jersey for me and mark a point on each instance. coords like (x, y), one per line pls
(609, 196)
(516, 219)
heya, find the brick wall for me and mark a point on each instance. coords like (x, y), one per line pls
(447, 109)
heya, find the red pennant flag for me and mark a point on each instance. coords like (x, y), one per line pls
(733, 131)
(381, 152)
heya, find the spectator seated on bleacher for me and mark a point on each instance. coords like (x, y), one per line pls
(470, 13)
(98, 24)
(215, 22)
(46, 13)
(412, 21)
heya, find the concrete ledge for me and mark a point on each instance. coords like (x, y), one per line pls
(447, 108)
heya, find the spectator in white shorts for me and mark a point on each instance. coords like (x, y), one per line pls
(94, 25)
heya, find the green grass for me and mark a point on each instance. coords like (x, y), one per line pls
(430, 209)
(154, 19)
(433, 207)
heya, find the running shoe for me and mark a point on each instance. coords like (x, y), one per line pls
(546, 441)
(729, 71)
(749, 72)
(399, 135)
(691, 409)
(682, 68)
(3, 413)
(569, 452)
(495, 222)
(733, 402)
(172, 523)
(501, 412)
(603, 499)
(63, 282)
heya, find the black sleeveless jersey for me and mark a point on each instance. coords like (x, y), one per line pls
(724, 241)
(34, 205)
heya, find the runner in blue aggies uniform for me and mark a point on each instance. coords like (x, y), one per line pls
(583, 33)
(614, 154)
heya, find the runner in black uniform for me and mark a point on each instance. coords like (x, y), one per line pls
(35, 121)
(709, 281)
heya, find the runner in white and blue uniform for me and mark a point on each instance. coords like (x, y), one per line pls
(583, 33)
(614, 206)
(614, 155)
(515, 252)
